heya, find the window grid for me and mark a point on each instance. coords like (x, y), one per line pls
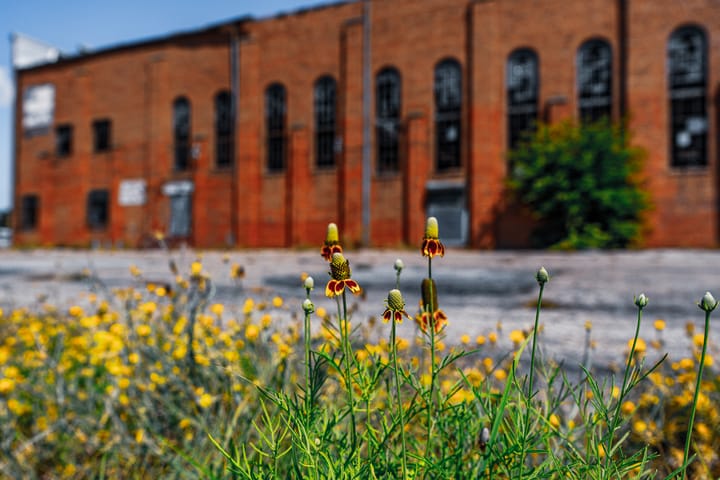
(29, 209)
(98, 209)
(448, 105)
(687, 72)
(387, 129)
(275, 108)
(224, 144)
(181, 133)
(101, 135)
(63, 140)
(325, 113)
(594, 80)
(522, 89)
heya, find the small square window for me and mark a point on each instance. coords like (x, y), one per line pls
(63, 140)
(98, 208)
(29, 206)
(102, 130)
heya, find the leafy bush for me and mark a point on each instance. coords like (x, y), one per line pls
(581, 181)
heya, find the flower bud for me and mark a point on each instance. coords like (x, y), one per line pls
(309, 283)
(395, 300)
(308, 306)
(542, 276)
(484, 438)
(399, 265)
(339, 267)
(431, 228)
(708, 302)
(429, 295)
(641, 301)
(332, 234)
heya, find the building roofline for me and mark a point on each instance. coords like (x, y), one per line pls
(223, 26)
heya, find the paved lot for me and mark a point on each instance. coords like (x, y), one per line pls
(477, 289)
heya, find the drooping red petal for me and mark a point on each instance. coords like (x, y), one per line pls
(326, 252)
(424, 248)
(387, 315)
(352, 285)
(441, 249)
(339, 287)
(330, 288)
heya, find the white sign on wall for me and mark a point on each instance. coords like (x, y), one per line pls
(38, 108)
(132, 193)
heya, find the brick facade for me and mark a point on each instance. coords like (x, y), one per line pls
(135, 85)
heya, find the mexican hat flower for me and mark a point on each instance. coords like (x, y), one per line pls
(395, 307)
(340, 277)
(431, 315)
(332, 243)
(431, 245)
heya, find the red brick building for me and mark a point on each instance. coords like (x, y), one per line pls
(251, 133)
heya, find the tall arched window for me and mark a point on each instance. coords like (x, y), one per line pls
(387, 123)
(181, 133)
(224, 144)
(687, 81)
(325, 107)
(594, 77)
(522, 90)
(275, 125)
(448, 104)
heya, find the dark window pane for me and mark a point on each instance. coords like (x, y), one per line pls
(325, 105)
(63, 140)
(687, 71)
(29, 212)
(387, 123)
(101, 135)
(181, 133)
(522, 90)
(224, 145)
(594, 78)
(275, 127)
(448, 105)
(98, 208)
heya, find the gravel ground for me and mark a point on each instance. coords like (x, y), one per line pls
(476, 289)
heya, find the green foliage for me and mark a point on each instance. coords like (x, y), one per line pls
(581, 181)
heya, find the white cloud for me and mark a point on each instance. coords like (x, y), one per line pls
(6, 88)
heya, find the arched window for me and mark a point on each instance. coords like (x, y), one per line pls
(181, 133)
(224, 144)
(325, 107)
(522, 90)
(594, 77)
(275, 126)
(687, 80)
(387, 123)
(448, 104)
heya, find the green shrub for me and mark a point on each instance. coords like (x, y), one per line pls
(581, 182)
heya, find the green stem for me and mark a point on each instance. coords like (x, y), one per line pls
(308, 398)
(695, 395)
(621, 395)
(345, 337)
(399, 400)
(534, 339)
(430, 310)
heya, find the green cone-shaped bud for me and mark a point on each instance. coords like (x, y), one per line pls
(641, 301)
(429, 295)
(431, 228)
(332, 234)
(542, 276)
(708, 302)
(395, 301)
(339, 267)
(308, 306)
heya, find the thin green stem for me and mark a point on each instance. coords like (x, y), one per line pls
(688, 437)
(347, 352)
(626, 376)
(399, 400)
(308, 398)
(430, 311)
(534, 339)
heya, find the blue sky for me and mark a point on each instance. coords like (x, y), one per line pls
(93, 24)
